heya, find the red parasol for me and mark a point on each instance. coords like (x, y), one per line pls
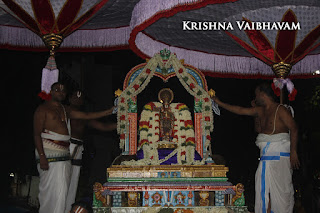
(284, 54)
(52, 21)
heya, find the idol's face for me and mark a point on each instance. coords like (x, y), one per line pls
(58, 93)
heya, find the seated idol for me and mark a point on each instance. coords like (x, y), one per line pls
(166, 133)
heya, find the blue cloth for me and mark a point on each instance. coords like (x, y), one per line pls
(164, 153)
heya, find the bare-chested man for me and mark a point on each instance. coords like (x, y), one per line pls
(51, 135)
(76, 143)
(277, 140)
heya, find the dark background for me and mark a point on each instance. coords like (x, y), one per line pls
(100, 74)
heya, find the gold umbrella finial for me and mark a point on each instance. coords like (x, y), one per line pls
(52, 41)
(281, 70)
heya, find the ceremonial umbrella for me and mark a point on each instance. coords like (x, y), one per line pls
(285, 53)
(52, 21)
(147, 26)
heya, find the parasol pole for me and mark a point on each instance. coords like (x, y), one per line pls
(281, 70)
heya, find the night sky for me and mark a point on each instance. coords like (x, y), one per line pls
(233, 136)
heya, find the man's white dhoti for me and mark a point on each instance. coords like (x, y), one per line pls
(54, 182)
(76, 149)
(274, 174)
(53, 187)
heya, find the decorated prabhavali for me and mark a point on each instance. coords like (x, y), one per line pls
(165, 60)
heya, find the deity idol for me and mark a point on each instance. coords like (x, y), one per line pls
(166, 133)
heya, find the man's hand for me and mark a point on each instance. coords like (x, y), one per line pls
(109, 111)
(216, 99)
(253, 103)
(44, 165)
(294, 160)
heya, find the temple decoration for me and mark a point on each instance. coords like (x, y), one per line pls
(166, 65)
(52, 21)
(284, 54)
(169, 166)
(118, 92)
(238, 199)
(166, 127)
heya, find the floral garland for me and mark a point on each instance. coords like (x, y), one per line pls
(202, 95)
(183, 135)
(137, 86)
(142, 81)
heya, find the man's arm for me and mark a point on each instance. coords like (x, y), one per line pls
(253, 111)
(89, 115)
(102, 126)
(289, 122)
(38, 126)
(257, 124)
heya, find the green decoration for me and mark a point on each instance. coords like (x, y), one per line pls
(165, 54)
(132, 106)
(185, 79)
(240, 201)
(197, 106)
(164, 71)
(96, 203)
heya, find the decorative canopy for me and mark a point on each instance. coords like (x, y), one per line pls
(147, 27)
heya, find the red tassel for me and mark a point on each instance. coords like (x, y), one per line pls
(292, 95)
(44, 96)
(276, 90)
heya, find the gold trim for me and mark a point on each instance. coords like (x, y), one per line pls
(191, 171)
(167, 146)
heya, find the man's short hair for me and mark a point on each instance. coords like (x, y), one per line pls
(84, 205)
(266, 88)
(56, 83)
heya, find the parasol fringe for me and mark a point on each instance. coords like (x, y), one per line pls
(16, 36)
(101, 38)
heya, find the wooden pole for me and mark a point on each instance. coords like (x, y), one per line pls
(281, 96)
